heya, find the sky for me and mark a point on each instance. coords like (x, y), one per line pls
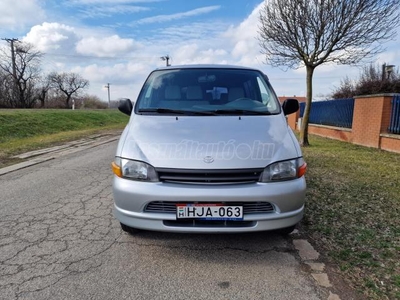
(121, 41)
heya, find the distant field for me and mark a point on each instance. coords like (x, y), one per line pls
(29, 129)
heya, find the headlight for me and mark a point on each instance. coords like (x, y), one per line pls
(135, 170)
(284, 170)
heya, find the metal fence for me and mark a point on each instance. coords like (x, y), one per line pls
(337, 113)
(394, 126)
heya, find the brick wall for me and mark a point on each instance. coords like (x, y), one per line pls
(371, 120)
(335, 133)
(371, 117)
(390, 143)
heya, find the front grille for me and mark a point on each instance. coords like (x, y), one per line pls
(209, 176)
(211, 224)
(248, 207)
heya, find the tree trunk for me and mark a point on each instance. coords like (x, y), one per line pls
(42, 98)
(21, 97)
(67, 101)
(307, 110)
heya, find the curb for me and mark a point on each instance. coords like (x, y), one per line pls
(310, 257)
(23, 165)
(43, 155)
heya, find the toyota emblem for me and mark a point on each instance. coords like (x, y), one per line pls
(208, 159)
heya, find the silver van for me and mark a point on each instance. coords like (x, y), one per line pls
(208, 150)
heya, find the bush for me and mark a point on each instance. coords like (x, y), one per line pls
(91, 102)
(55, 102)
(372, 80)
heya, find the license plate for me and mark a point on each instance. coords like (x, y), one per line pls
(215, 212)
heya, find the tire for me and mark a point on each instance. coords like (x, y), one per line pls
(128, 229)
(287, 230)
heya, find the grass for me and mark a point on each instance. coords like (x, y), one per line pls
(23, 130)
(353, 213)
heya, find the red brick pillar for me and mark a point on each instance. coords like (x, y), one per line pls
(371, 117)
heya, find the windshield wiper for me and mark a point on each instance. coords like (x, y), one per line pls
(174, 111)
(215, 112)
(240, 111)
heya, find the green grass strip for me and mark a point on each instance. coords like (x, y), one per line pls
(16, 124)
(29, 129)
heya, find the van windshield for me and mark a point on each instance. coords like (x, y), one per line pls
(214, 91)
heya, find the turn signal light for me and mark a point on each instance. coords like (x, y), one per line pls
(116, 169)
(302, 170)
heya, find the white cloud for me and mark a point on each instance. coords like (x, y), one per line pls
(108, 11)
(177, 16)
(117, 74)
(89, 2)
(215, 52)
(195, 54)
(62, 39)
(245, 48)
(21, 13)
(248, 28)
(52, 37)
(185, 54)
(107, 46)
(68, 51)
(208, 42)
(195, 30)
(120, 76)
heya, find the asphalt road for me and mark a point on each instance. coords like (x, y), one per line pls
(59, 240)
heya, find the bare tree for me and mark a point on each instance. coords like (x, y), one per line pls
(27, 72)
(6, 87)
(69, 84)
(42, 89)
(346, 90)
(308, 33)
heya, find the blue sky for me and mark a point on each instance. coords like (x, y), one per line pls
(121, 41)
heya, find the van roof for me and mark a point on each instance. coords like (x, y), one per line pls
(210, 66)
(207, 66)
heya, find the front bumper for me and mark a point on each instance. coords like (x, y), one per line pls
(131, 198)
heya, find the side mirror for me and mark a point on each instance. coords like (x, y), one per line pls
(290, 106)
(125, 106)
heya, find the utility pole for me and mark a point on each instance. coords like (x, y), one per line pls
(108, 88)
(166, 59)
(383, 72)
(11, 41)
